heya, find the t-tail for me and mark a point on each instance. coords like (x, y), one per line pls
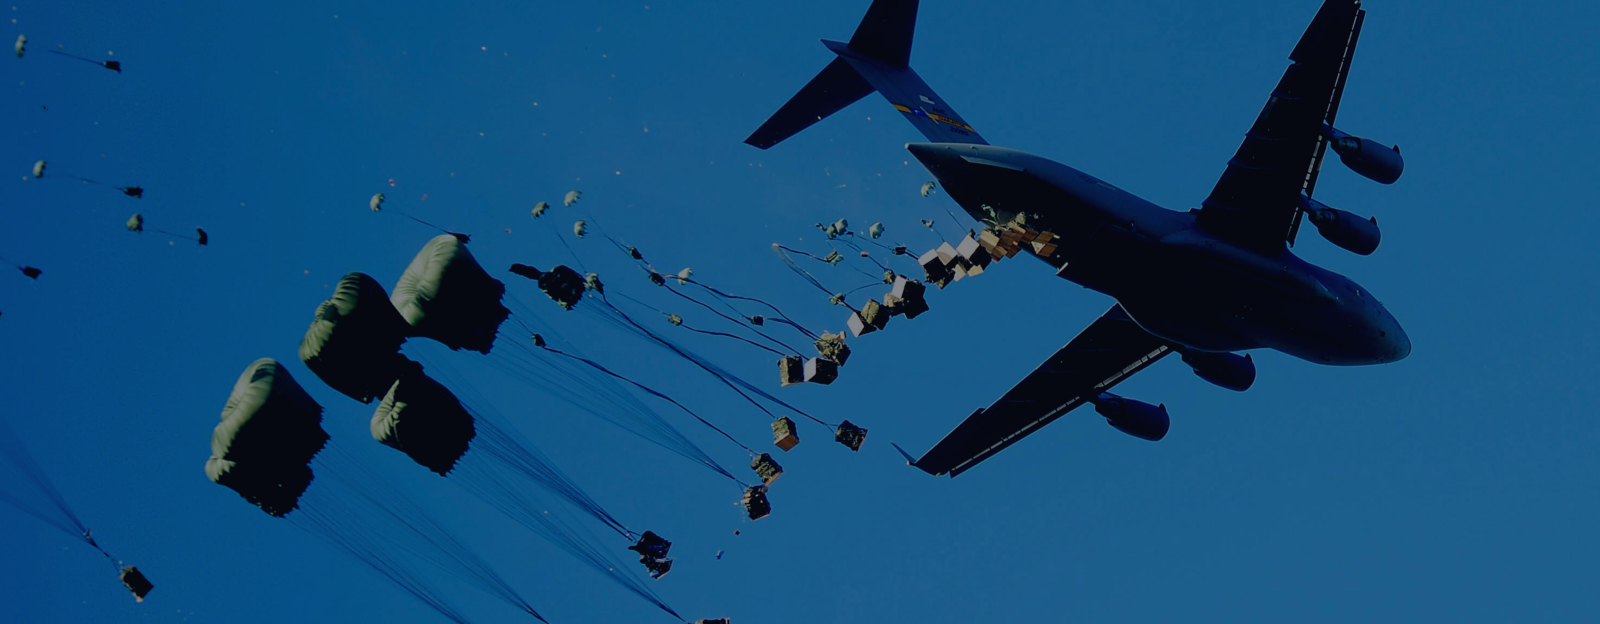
(878, 58)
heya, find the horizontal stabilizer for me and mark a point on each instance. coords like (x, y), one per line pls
(834, 88)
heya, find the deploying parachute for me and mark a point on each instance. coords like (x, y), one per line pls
(425, 421)
(445, 295)
(263, 449)
(353, 345)
(269, 432)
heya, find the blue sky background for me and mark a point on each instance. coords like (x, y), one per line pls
(1455, 485)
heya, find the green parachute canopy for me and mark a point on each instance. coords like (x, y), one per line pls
(269, 432)
(424, 420)
(353, 345)
(446, 295)
(22, 45)
(38, 169)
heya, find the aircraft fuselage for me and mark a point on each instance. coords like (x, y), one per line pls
(1176, 280)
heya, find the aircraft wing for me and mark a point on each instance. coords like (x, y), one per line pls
(1255, 204)
(1110, 350)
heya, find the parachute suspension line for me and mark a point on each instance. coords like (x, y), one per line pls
(74, 56)
(863, 254)
(706, 366)
(738, 338)
(729, 379)
(448, 553)
(318, 524)
(82, 179)
(503, 444)
(793, 266)
(514, 453)
(176, 235)
(515, 504)
(575, 259)
(737, 322)
(61, 516)
(647, 389)
(782, 318)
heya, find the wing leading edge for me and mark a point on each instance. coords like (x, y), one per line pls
(1108, 351)
(1255, 203)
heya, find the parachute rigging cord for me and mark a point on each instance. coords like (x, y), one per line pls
(376, 203)
(360, 512)
(596, 393)
(676, 320)
(782, 318)
(616, 316)
(783, 254)
(111, 65)
(514, 459)
(663, 397)
(54, 511)
(685, 279)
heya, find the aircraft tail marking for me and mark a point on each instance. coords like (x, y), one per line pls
(877, 58)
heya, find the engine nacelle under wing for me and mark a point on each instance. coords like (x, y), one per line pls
(1136, 418)
(1229, 370)
(1373, 160)
(1343, 228)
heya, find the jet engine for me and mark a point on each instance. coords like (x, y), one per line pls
(1376, 161)
(1342, 228)
(1229, 370)
(1136, 418)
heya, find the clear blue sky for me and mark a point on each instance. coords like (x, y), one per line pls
(1456, 485)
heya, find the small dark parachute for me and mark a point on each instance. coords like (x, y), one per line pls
(269, 432)
(562, 284)
(446, 295)
(422, 419)
(354, 343)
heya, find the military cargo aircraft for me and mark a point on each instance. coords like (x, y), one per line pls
(1206, 284)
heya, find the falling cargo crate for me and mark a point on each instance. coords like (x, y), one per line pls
(858, 325)
(875, 314)
(831, 346)
(975, 254)
(821, 371)
(767, 468)
(1044, 245)
(791, 370)
(135, 581)
(933, 268)
(755, 502)
(784, 434)
(850, 435)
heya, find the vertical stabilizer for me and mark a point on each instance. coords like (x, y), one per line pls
(878, 59)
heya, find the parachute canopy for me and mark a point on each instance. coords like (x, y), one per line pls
(136, 223)
(422, 419)
(580, 228)
(445, 295)
(22, 45)
(539, 208)
(571, 198)
(38, 169)
(269, 432)
(927, 189)
(875, 230)
(353, 345)
(376, 203)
